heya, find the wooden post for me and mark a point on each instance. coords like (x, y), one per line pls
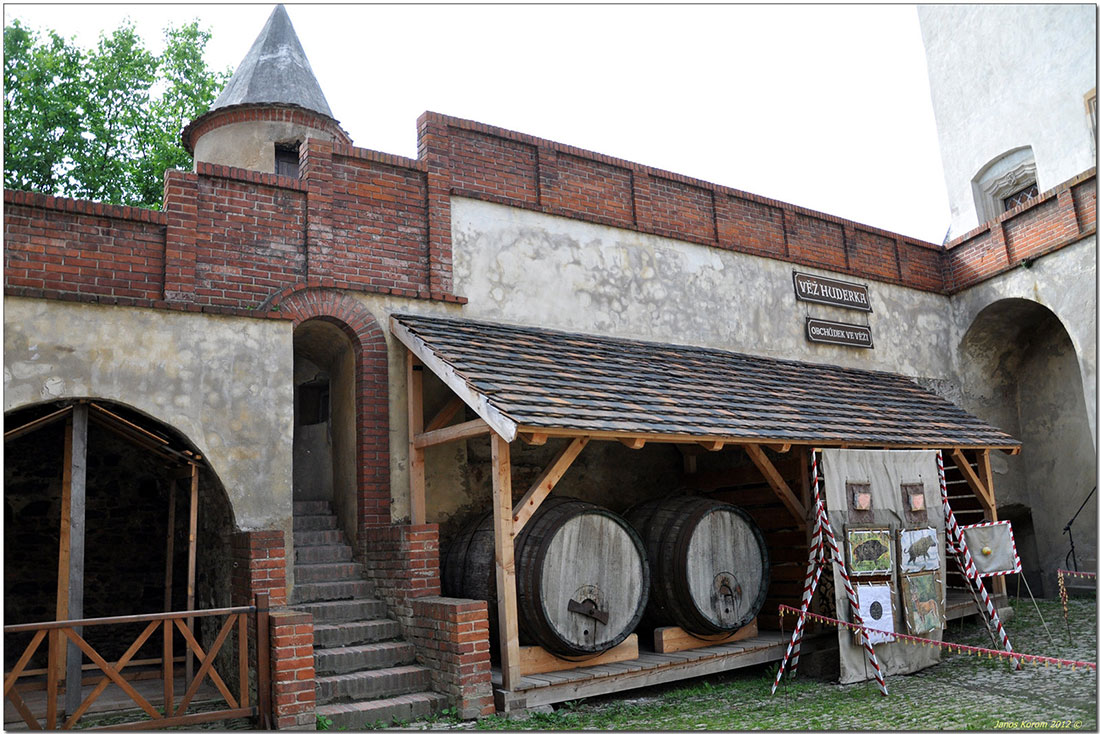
(504, 540)
(170, 552)
(192, 543)
(415, 386)
(61, 610)
(985, 474)
(75, 579)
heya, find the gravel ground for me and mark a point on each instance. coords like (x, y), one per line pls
(962, 692)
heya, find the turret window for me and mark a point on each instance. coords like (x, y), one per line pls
(286, 160)
(1022, 196)
(1005, 182)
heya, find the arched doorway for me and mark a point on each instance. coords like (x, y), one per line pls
(1021, 373)
(137, 517)
(325, 419)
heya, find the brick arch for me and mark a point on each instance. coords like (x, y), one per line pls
(371, 391)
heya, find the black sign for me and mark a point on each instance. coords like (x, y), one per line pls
(817, 289)
(833, 332)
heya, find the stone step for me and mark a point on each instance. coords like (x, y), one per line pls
(333, 590)
(354, 633)
(335, 553)
(315, 573)
(367, 714)
(312, 507)
(340, 660)
(319, 537)
(314, 522)
(339, 612)
(367, 684)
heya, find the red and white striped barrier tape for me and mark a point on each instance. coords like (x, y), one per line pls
(951, 646)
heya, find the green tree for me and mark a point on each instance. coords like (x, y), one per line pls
(103, 123)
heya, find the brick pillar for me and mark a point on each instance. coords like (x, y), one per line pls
(316, 174)
(293, 689)
(181, 206)
(259, 565)
(403, 563)
(434, 149)
(452, 640)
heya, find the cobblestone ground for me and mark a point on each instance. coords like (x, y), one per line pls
(962, 692)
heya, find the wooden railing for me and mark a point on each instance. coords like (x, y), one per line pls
(173, 713)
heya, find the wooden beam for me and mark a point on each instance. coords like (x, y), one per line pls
(445, 414)
(972, 479)
(776, 482)
(469, 429)
(533, 439)
(37, 423)
(414, 372)
(985, 473)
(170, 551)
(192, 546)
(535, 660)
(61, 610)
(712, 445)
(779, 448)
(504, 551)
(635, 442)
(77, 518)
(526, 507)
(477, 401)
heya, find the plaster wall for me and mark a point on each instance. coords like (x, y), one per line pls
(251, 145)
(539, 270)
(1004, 77)
(223, 382)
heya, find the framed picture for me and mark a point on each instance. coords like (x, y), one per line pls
(876, 606)
(918, 550)
(992, 548)
(921, 601)
(869, 551)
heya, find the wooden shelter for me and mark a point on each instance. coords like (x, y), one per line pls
(65, 661)
(533, 384)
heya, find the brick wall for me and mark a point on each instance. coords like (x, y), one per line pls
(230, 240)
(1057, 218)
(452, 640)
(293, 690)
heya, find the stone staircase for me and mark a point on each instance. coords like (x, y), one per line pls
(365, 674)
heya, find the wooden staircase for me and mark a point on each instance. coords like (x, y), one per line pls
(365, 673)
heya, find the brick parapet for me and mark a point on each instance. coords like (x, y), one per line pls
(293, 685)
(452, 640)
(1053, 220)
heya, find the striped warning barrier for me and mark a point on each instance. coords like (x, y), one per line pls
(951, 646)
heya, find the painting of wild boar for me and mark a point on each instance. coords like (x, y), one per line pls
(869, 551)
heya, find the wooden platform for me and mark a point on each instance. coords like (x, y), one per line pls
(112, 700)
(650, 668)
(960, 604)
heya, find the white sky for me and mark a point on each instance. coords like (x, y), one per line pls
(826, 107)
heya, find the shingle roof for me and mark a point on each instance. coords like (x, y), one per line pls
(275, 71)
(544, 379)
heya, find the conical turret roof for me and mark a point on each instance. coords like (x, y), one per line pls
(275, 71)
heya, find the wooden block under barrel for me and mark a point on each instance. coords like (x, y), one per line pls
(675, 639)
(534, 659)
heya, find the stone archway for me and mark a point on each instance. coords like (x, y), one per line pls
(336, 340)
(1021, 372)
(136, 517)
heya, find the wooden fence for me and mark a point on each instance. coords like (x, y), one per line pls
(173, 712)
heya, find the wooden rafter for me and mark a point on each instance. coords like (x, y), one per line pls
(469, 429)
(37, 423)
(526, 507)
(445, 414)
(533, 439)
(776, 482)
(972, 479)
(414, 372)
(635, 442)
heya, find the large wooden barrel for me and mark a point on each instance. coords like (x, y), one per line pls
(582, 578)
(709, 564)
